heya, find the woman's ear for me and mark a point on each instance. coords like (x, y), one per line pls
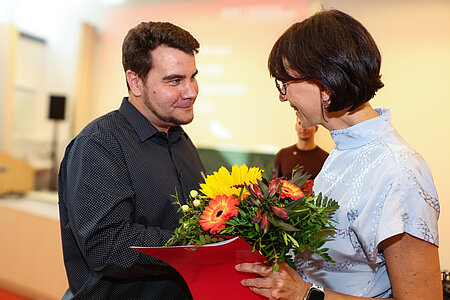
(325, 95)
(134, 83)
(325, 98)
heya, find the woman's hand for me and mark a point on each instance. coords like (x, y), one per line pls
(283, 284)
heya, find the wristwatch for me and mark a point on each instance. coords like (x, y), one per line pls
(315, 292)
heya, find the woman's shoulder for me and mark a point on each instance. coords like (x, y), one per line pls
(405, 158)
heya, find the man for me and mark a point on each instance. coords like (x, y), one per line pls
(117, 175)
(304, 153)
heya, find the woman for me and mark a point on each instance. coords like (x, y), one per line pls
(386, 245)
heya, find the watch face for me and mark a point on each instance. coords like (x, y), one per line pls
(315, 294)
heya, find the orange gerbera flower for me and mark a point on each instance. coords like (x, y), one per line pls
(219, 210)
(289, 190)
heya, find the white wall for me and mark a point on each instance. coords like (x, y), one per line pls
(58, 24)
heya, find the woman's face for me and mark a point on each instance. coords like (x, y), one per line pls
(304, 97)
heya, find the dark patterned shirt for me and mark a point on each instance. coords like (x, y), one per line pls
(115, 183)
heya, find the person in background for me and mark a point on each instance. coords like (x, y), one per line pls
(386, 245)
(304, 153)
(118, 174)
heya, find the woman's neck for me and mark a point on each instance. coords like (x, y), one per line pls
(344, 119)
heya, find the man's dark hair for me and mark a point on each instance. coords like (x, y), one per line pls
(145, 37)
(336, 52)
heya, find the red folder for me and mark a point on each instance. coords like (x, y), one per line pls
(209, 270)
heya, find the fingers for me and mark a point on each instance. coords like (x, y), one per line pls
(262, 292)
(283, 284)
(255, 268)
(261, 283)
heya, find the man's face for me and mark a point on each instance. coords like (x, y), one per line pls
(305, 133)
(171, 88)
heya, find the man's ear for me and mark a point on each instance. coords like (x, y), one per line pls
(134, 83)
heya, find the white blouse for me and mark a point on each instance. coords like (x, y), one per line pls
(384, 188)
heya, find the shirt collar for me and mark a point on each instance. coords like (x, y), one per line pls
(144, 128)
(362, 133)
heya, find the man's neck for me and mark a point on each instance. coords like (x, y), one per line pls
(145, 111)
(306, 145)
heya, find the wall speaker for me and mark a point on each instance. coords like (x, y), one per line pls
(57, 107)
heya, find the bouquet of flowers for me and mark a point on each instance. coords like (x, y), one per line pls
(274, 217)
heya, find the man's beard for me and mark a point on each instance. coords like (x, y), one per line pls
(167, 119)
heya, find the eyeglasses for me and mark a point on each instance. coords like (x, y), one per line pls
(282, 87)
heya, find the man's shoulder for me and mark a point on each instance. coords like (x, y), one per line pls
(109, 129)
(104, 125)
(321, 151)
(288, 149)
(109, 132)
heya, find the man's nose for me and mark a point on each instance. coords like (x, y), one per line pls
(190, 90)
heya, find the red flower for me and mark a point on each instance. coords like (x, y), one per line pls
(289, 190)
(257, 217)
(308, 187)
(281, 212)
(219, 210)
(256, 191)
(274, 187)
(264, 224)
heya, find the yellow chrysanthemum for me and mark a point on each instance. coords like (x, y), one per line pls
(225, 183)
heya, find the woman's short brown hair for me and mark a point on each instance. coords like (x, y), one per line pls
(336, 52)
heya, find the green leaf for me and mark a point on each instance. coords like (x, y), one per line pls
(240, 193)
(299, 214)
(285, 238)
(284, 226)
(298, 177)
(294, 241)
(207, 239)
(291, 205)
(324, 233)
(264, 188)
(276, 267)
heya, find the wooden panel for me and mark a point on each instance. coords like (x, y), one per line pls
(31, 255)
(8, 47)
(16, 176)
(85, 78)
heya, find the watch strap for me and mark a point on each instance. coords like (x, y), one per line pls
(316, 288)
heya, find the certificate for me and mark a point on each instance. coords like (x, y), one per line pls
(209, 270)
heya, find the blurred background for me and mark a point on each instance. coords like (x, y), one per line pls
(60, 67)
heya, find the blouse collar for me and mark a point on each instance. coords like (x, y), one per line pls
(362, 133)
